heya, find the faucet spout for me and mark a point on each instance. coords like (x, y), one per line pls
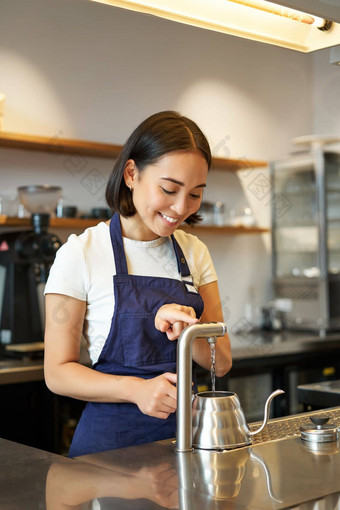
(184, 377)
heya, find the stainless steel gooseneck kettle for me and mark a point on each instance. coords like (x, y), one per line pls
(218, 418)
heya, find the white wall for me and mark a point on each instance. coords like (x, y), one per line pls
(326, 101)
(83, 70)
(94, 71)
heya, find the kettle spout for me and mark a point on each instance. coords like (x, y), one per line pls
(266, 412)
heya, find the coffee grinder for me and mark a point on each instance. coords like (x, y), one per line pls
(25, 260)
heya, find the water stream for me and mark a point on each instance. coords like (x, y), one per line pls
(212, 365)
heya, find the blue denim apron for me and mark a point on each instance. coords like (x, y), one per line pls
(134, 347)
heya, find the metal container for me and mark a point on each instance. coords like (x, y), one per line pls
(218, 420)
(319, 431)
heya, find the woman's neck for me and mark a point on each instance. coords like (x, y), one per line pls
(134, 228)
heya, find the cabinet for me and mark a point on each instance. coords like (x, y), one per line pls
(104, 150)
(306, 238)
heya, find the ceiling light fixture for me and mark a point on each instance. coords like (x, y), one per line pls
(286, 12)
(241, 18)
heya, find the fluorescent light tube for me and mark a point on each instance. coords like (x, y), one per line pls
(230, 17)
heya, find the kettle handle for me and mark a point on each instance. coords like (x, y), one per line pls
(266, 411)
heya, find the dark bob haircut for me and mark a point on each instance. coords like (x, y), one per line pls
(158, 135)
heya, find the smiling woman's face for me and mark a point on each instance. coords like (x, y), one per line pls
(164, 194)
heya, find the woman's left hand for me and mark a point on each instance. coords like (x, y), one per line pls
(172, 319)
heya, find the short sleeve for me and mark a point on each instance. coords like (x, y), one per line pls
(68, 273)
(207, 272)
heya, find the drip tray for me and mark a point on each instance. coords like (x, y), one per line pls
(289, 426)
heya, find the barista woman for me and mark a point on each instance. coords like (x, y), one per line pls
(163, 280)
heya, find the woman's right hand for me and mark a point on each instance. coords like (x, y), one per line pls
(157, 397)
(173, 318)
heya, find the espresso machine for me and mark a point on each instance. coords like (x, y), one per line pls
(25, 260)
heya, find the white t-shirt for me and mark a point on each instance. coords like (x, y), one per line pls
(84, 267)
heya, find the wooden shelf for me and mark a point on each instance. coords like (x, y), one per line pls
(59, 145)
(82, 223)
(224, 229)
(233, 165)
(76, 223)
(101, 150)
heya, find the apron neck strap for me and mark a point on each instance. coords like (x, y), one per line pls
(117, 245)
(182, 265)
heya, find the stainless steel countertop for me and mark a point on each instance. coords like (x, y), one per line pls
(277, 474)
(262, 344)
(325, 386)
(23, 472)
(16, 371)
(321, 394)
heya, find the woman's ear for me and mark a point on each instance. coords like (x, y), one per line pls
(130, 173)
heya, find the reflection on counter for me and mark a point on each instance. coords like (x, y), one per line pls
(282, 472)
(274, 475)
(123, 478)
(200, 479)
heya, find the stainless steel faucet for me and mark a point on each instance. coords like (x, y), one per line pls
(209, 330)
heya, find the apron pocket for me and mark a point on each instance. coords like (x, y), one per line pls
(142, 343)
